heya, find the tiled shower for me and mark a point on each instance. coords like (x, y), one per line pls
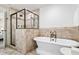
(22, 21)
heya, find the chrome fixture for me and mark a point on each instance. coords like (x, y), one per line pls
(53, 35)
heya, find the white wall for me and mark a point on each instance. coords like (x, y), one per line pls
(1, 20)
(58, 16)
(76, 17)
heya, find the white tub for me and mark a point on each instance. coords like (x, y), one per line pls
(46, 46)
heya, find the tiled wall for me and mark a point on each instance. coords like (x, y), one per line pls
(62, 32)
(24, 39)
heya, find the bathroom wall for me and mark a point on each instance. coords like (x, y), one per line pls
(76, 17)
(62, 32)
(58, 15)
(62, 18)
(2, 17)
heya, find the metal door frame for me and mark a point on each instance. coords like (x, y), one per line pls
(11, 25)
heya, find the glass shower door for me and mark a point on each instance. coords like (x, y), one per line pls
(13, 29)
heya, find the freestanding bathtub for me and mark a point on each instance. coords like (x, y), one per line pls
(47, 46)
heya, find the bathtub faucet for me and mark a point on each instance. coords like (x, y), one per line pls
(53, 35)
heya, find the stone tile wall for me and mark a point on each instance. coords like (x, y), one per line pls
(62, 32)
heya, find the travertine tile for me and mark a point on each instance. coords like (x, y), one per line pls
(9, 51)
(62, 32)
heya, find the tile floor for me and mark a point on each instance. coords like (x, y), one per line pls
(32, 53)
(10, 51)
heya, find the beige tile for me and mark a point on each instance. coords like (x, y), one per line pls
(62, 32)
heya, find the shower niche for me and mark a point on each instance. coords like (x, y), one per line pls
(22, 19)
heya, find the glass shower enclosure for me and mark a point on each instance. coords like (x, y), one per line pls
(22, 19)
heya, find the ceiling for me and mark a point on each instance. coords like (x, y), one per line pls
(28, 6)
